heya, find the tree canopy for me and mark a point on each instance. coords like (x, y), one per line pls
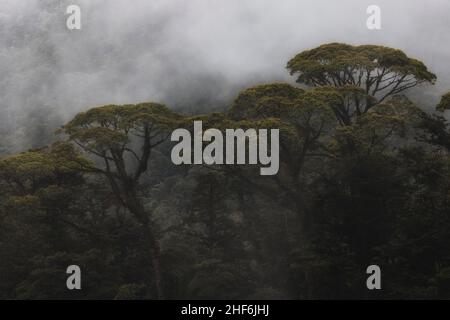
(363, 179)
(380, 72)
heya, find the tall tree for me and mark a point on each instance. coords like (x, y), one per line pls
(436, 126)
(373, 73)
(123, 138)
(305, 121)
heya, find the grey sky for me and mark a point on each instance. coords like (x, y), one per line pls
(188, 54)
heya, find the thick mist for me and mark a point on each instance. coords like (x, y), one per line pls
(191, 55)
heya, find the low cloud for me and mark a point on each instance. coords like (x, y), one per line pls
(191, 55)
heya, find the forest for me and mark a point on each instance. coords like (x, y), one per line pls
(364, 179)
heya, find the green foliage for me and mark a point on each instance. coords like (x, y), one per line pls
(444, 104)
(378, 72)
(131, 292)
(110, 127)
(341, 64)
(364, 179)
(264, 101)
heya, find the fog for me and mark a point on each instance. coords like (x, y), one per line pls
(191, 54)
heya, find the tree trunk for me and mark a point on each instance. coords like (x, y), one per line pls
(155, 256)
(134, 204)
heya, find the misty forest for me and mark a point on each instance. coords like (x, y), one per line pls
(364, 179)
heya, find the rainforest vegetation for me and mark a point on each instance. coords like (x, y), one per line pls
(364, 179)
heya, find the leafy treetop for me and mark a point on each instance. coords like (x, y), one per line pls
(111, 132)
(444, 104)
(380, 71)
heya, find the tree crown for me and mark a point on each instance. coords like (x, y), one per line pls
(380, 71)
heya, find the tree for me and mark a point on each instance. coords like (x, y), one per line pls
(305, 121)
(373, 73)
(444, 104)
(354, 188)
(436, 127)
(210, 214)
(123, 138)
(39, 190)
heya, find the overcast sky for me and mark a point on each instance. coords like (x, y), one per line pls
(186, 53)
